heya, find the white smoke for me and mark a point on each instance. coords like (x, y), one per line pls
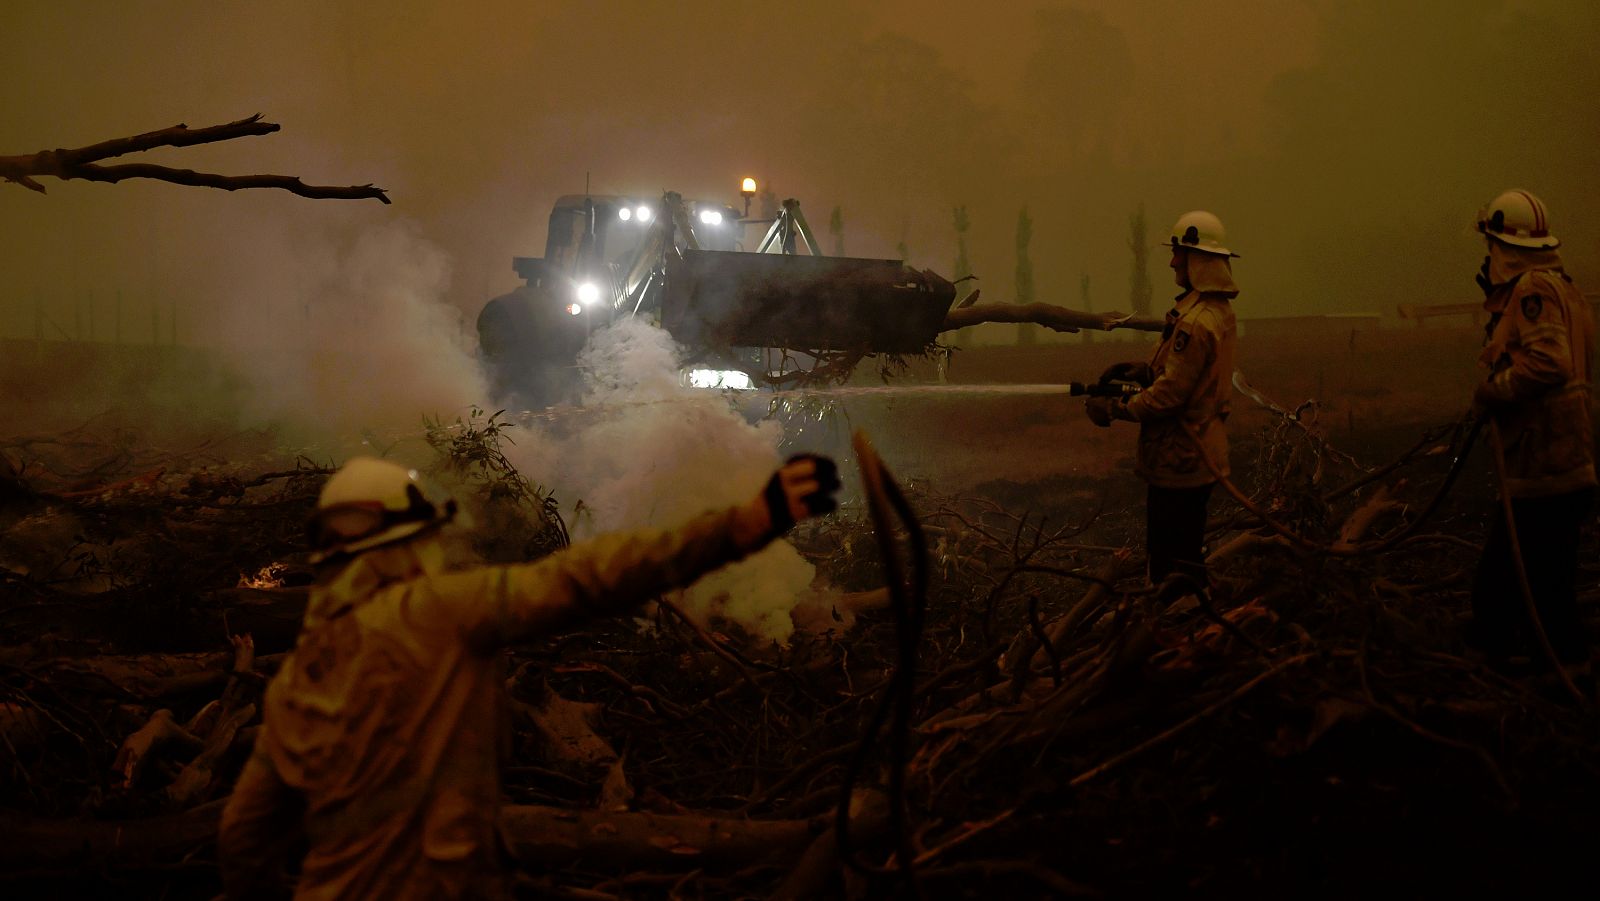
(359, 337)
(646, 450)
(356, 336)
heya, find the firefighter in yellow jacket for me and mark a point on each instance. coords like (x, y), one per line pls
(1538, 352)
(1185, 402)
(379, 748)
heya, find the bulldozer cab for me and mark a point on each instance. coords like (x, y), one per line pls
(614, 241)
(684, 264)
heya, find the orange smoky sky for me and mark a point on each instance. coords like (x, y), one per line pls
(1345, 144)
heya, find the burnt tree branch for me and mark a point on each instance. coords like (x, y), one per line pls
(85, 163)
(1059, 319)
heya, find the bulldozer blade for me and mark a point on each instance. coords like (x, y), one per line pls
(737, 299)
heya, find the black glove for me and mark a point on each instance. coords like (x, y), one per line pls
(1098, 410)
(807, 482)
(1138, 373)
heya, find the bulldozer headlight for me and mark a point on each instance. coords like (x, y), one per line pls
(624, 214)
(642, 212)
(711, 217)
(588, 293)
(731, 379)
(574, 309)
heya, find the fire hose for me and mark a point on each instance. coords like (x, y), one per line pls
(1523, 586)
(1126, 389)
(1497, 449)
(888, 508)
(1354, 550)
(1113, 388)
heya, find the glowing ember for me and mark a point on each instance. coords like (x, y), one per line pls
(270, 576)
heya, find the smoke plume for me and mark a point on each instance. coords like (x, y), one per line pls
(646, 450)
(358, 337)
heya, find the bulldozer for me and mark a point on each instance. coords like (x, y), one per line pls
(683, 265)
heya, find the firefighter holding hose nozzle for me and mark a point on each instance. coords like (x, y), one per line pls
(378, 754)
(1538, 350)
(1187, 385)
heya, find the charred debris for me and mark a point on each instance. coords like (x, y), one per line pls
(995, 704)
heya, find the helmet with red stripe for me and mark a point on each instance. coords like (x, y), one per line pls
(1519, 219)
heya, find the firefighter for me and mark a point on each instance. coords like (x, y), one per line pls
(1538, 350)
(379, 745)
(1185, 402)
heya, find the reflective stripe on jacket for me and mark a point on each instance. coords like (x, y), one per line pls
(1539, 355)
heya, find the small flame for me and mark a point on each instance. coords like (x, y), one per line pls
(270, 576)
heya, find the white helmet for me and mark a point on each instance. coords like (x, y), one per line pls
(1199, 230)
(371, 502)
(1518, 218)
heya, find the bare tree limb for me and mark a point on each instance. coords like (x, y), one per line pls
(1059, 319)
(83, 162)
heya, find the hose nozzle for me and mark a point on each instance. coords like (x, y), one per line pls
(1103, 389)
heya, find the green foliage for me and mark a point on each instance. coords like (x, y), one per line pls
(515, 519)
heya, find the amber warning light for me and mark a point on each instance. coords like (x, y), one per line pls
(747, 190)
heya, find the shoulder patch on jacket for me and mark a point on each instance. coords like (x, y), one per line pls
(1532, 306)
(1180, 340)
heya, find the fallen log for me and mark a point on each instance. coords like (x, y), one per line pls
(820, 866)
(1357, 525)
(200, 776)
(150, 739)
(271, 615)
(149, 677)
(537, 836)
(553, 836)
(45, 844)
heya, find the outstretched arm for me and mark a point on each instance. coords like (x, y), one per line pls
(613, 573)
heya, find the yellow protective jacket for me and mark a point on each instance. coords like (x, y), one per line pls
(1193, 387)
(1539, 355)
(381, 733)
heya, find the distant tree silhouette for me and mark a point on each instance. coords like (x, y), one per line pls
(1027, 333)
(1088, 305)
(963, 267)
(836, 229)
(1139, 276)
